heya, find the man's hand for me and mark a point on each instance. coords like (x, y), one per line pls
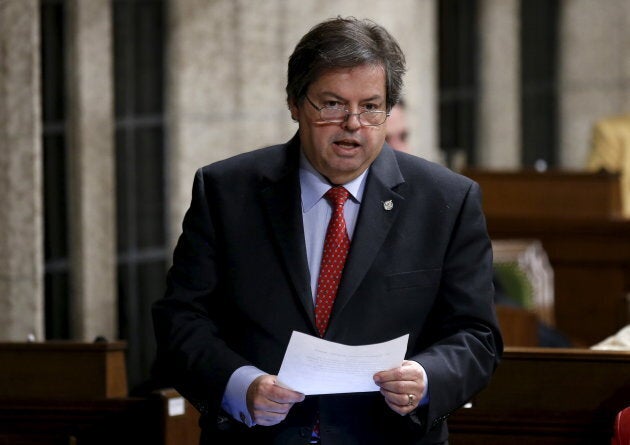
(268, 403)
(402, 387)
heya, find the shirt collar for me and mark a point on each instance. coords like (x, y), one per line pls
(314, 185)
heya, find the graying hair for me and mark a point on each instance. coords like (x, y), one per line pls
(345, 43)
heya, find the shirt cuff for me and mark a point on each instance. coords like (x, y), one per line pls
(424, 398)
(235, 396)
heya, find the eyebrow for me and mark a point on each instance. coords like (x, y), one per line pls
(376, 97)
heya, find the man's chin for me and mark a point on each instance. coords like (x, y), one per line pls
(344, 170)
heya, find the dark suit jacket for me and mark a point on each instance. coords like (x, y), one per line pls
(239, 285)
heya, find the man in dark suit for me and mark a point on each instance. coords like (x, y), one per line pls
(246, 269)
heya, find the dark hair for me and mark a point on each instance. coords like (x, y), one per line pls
(345, 43)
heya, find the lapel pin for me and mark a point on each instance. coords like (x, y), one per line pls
(388, 205)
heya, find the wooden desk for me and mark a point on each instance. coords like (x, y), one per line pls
(62, 370)
(577, 218)
(75, 393)
(519, 327)
(591, 265)
(547, 397)
(552, 194)
(116, 421)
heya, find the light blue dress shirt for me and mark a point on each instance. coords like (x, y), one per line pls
(316, 213)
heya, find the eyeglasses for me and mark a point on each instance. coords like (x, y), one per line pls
(337, 115)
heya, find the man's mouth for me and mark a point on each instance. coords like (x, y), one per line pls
(347, 143)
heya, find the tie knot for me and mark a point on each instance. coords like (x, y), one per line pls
(337, 195)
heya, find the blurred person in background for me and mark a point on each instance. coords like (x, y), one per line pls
(398, 128)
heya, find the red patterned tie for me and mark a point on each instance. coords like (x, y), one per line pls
(336, 247)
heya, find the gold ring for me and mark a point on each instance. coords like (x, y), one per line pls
(410, 396)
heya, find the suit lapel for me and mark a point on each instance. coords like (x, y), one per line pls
(281, 200)
(379, 209)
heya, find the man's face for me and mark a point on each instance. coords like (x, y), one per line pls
(342, 151)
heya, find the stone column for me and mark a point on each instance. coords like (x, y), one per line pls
(499, 137)
(21, 230)
(91, 169)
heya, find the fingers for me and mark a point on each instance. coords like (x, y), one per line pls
(402, 387)
(404, 409)
(409, 370)
(268, 403)
(402, 403)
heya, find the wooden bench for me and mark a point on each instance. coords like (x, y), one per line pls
(547, 397)
(75, 393)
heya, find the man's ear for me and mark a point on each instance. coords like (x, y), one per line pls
(293, 108)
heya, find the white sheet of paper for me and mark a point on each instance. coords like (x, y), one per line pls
(315, 366)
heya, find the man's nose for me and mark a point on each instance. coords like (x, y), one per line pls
(352, 122)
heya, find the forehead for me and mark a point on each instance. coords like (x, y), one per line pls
(363, 81)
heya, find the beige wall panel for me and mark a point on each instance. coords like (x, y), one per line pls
(499, 136)
(594, 71)
(21, 232)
